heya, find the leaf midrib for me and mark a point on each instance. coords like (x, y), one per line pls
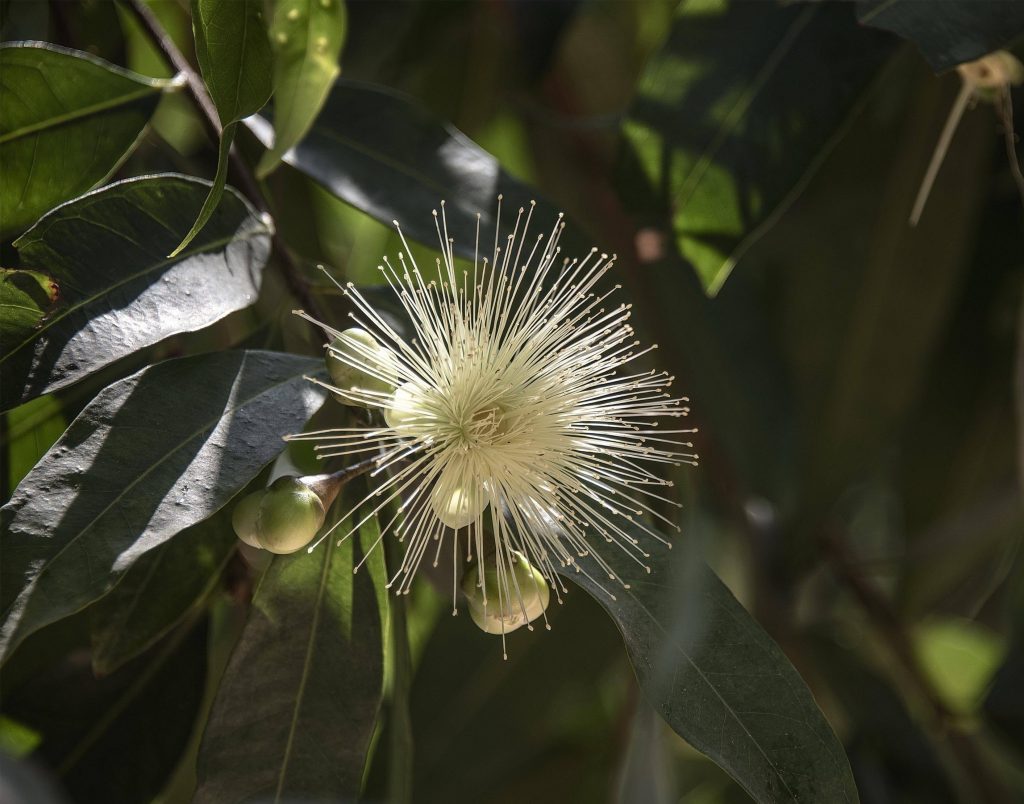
(79, 113)
(630, 593)
(306, 665)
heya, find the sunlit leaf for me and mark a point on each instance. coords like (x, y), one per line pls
(299, 701)
(961, 657)
(25, 299)
(150, 456)
(306, 37)
(119, 292)
(389, 157)
(735, 112)
(67, 119)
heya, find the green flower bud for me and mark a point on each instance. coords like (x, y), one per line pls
(243, 518)
(527, 596)
(282, 519)
(360, 347)
(290, 515)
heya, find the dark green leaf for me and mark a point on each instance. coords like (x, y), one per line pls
(306, 36)
(25, 299)
(159, 591)
(234, 55)
(717, 678)
(91, 725)
(67, 119)
(151, 455)
(383, 154)
(299, 701)
(735, 112)
(948, 32)
(118, 290)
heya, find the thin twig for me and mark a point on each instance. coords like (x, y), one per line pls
(241, 175)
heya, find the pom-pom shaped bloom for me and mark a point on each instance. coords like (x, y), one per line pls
(517, 417)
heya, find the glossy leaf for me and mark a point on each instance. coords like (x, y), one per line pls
(234, 55)
(306, 37)
(299, 701)
(235, 59)
(736, 111)
(118, 290)
(947, 32)
(159, 590)
(25, 299)
(67, 119)
(717, 678)
(385, 155)
(150, 456)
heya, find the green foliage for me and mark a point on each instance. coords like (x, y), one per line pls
(299, 701)
(841, 615)
(234, 55)
(950, 32)
(306, 36)
(135, 468)
(67, 119)
(718, 679)
(119, 292)
(738, 108)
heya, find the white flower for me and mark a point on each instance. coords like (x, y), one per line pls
(516, 418)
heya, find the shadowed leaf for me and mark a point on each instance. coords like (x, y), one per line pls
(151, 455)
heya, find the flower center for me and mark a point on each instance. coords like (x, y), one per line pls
(484, 426)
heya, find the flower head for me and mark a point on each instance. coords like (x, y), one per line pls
(517, 417)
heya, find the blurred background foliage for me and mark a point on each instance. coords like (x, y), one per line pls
(858, 384)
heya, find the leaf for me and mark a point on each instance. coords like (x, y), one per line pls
(734, 114)
(306, 37)
(67, 120)
(960, 656)
(31, 430)
(299, 701)
(947, 32)
(151, 455)
(717, 678)
(234, 57)
(387, 156)
(159, 590)
(90, 726)
(118, 291)
(25, 298)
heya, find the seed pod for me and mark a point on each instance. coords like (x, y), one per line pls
(504, 610)
(244, 517)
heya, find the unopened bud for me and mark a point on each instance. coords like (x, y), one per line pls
(358, 364)
(521, 599)
(282, 519)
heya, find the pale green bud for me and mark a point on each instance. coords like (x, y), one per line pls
(282, 519)
(527, 596)
(360, 346)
